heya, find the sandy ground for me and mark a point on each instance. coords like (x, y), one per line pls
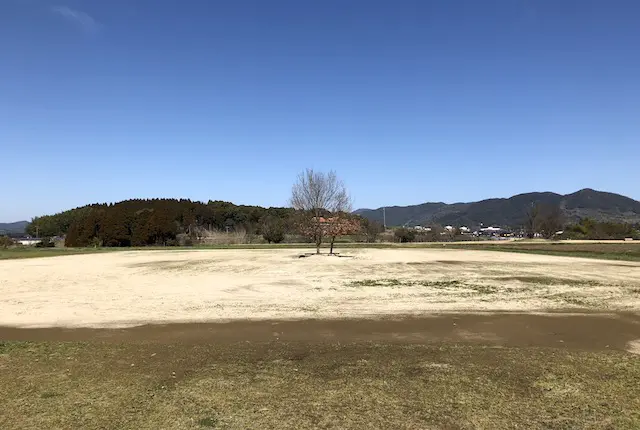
(132, 288)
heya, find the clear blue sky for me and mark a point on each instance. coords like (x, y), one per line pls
(409, 101)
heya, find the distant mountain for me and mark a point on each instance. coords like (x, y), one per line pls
(511, 212)
(13, 227)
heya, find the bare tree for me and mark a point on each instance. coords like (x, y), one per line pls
(531, 220)
(543, 219)
(550, 220)
(452, 233)
(370, 229)
(319, 194)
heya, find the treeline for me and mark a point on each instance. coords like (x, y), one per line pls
(169, 222)
(549, 222)
(182, 222)
(157, 222)
(598, 230)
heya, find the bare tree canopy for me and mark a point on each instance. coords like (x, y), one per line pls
(317, 191)
(543, 219)
(319, 194)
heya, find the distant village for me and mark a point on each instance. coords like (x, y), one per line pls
(491, 231)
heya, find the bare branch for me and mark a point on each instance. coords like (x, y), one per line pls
(318, 193)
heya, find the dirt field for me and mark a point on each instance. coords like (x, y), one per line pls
(132, 288)
(451, 339)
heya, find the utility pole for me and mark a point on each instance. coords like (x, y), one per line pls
(384, 217)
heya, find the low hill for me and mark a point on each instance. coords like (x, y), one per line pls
(13, 227)
(140, 222)
(586, 203)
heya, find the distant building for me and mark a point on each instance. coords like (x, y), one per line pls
(492, 231)
(27, 240)
(421, 228)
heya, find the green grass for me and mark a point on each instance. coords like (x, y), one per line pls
(33, 252)
(441, 284)
(455, 283)
(548, 280)
(606, 251)
(302, 385)
(392, 282)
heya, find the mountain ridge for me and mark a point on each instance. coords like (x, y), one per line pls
(511, 211)
(17, 227)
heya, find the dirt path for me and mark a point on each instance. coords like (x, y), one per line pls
(575, 331)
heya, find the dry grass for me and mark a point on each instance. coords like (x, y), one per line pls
(214, 237)
(629, 251)
(314, 385)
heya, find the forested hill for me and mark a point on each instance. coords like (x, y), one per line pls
(13, 228)
(147, 222)
(511, 212)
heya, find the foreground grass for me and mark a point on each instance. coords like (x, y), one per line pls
(314, 385)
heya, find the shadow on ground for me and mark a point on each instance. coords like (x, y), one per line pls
(588, 331)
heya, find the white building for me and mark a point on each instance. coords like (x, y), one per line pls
(27, 241)
(421, 228)
(492, 231)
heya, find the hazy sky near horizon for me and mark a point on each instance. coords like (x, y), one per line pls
(409, 101)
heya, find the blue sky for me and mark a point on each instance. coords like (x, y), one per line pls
(409, 101)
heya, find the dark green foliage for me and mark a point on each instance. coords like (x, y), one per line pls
(590, 229)
(5, 242)
(116, 228)
(163, 222)
(273, 229)
(86, 228)
(46, 243)
(58, 224)
(158, 222)
(405, 235)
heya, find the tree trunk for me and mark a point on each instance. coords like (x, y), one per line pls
(318, 232)
(333, 238)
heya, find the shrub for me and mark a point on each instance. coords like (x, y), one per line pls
(273, 230)
(5, 242)
(404, 235)
(46, 243)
